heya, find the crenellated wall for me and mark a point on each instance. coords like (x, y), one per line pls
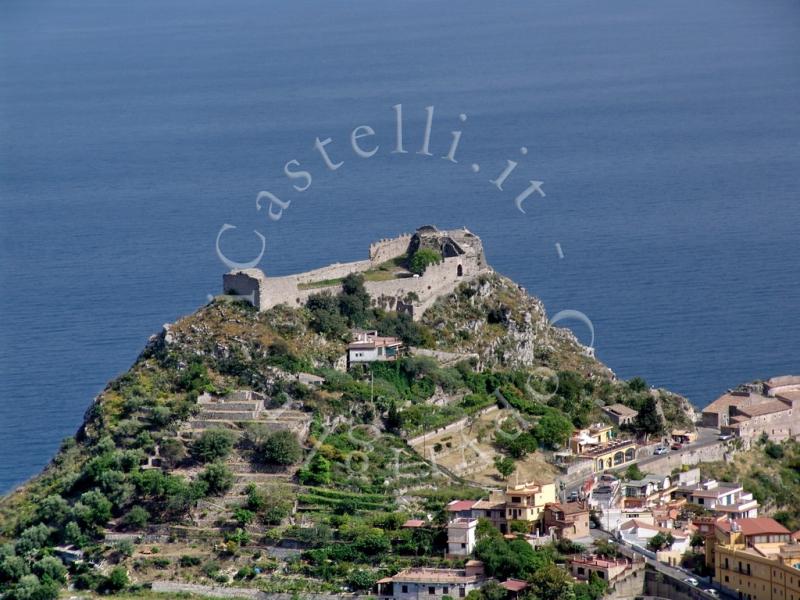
(383, 250)
(392, 294)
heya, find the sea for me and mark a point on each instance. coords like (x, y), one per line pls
(665, 137)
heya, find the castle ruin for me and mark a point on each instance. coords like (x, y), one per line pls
(390, 284)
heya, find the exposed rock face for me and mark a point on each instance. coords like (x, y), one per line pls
(495, 318)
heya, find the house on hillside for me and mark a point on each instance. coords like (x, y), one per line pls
(570, 520)
(422, 583)
(368, 347)
(620, 414)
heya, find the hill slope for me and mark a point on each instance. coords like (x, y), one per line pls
(237, 446)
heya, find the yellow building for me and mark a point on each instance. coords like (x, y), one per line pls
(755, 559)
(526, 501)
(599, 444)
(595, 435)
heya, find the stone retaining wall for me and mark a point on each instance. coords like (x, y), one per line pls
(215, 591)
(674, 460)
(454, 426)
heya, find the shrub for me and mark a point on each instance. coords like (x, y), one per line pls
(213, 444)
(117, 580)
(422, 259)
(189, 561)
(281, 448)
(218, 478)
(136, 518)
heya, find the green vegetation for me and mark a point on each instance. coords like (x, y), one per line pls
(281, 448)
(341, 494)
(771, 471)
(213, 445)
(422, 259)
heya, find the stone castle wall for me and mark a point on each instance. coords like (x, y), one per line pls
(391, 294)
(383, 250)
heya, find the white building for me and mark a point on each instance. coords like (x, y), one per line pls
(431, 584)
(638, 533)
(461, 537)
(721, 498)
(369, 347)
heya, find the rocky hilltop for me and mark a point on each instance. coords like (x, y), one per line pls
(240, 447)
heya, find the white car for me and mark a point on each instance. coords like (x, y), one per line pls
(725, 437)
(692, 581)
(711, 592)
(660, 450)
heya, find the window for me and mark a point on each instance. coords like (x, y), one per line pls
(463, 545)
(581, 571)
(405, 589)
(431, 591)
(445, 590)
(462, 592)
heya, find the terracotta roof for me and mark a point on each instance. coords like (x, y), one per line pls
(413, 523)
(721, 404)
(756, 526)
(621, 410)
(783, 380)
(763, 408)
(514, 585)
(568, 508)
(459, 505)
(598, 562)
(789, 396)
(426, 575)
(489, 505)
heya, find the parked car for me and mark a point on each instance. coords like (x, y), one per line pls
(724, 437)
(692, 581)
(660, 450)
(711, 592)
(573, 496)
(602, 490)
(676, 446)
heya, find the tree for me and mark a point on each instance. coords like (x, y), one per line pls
(51, 568)
(492, 590)
(53, 510)
(633, 472)
(93, 509)
(657, 542)
(281, 448)
(136, 518)
(361, 579)
(649, 420)
(697, 540)
(13, 568)
(637, 384)
(213, 444)
(30, 588)
(553, 583)
(218, 478)
(117, 580)
(553, 429)
(243, 516)
(172, 452)
(32, 539)
(504, 465)
(325, 316)
(354, 301)
(422, 259)
(318, 471)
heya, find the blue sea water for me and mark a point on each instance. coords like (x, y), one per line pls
(667, 135)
